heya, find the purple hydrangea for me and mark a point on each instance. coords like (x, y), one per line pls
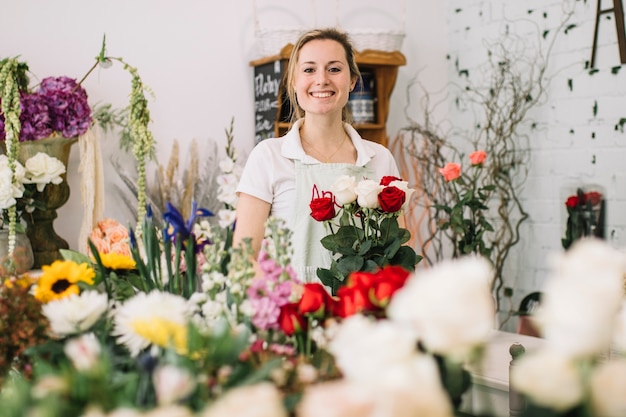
(35, 118)
(59, 105)
(69, 110)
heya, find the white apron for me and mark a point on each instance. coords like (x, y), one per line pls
(308, 252)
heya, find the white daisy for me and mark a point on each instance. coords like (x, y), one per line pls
(75, 313)
(157, 318)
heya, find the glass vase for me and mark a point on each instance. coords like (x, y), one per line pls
(22, 259)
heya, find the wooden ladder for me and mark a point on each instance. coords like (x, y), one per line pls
(618, 12)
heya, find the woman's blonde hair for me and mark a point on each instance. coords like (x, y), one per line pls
(319, 34)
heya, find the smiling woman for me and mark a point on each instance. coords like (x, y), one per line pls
(322, 145)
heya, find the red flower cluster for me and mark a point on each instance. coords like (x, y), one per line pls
(365, 292)
(592, 197)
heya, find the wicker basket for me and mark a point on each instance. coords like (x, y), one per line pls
(379, 40)
(271, 41)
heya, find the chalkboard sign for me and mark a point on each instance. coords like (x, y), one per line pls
(267, 80)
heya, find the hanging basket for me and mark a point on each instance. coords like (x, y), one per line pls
(379, 40)
(271, 41)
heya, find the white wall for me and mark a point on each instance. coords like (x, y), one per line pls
(195, 56)
(570, 146)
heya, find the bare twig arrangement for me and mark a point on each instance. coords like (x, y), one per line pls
(495, 104)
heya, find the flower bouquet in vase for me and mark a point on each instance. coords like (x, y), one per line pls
(585, 216)
(362, 219)
(44, 120)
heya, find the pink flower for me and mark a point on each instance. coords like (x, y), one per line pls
(451, 171)
(478, 157)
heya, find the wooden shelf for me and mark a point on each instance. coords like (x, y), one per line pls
(270, 97)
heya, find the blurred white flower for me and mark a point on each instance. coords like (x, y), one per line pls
(43, 169)
(226, 165)
(549, 378)
(581, 299)
(450, 306)
(366, 349)
(172, 384)
(49, 385)
(84, 351)
(158, 318)
(619, 331)
(608, 386)
(75, 313)
(344, 190)
(226, 218)
(367, 193)
(345, 398)
(125, 412)
(9, 192)
(226, 191)
(169, 411)
(259, 400)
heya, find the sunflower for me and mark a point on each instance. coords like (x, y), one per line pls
(60, 279)
(117, 261)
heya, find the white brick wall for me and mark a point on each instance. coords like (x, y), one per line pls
(568, 138)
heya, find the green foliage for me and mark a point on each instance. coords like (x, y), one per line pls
(365, 240)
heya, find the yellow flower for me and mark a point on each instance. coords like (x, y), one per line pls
(23, 281)
(61, 279)
(116, 261)
(162, 332)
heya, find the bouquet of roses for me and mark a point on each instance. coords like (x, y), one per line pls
(363, 222)
(585, 216)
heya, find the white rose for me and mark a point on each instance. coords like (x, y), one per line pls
(608, 385)
(172, 383)
(344, 190)
(43, 169)
(424, 302)
(367, 193)
(9, 192)
(259, 400)
(619, 332)
(548, 378)
(575, 318)
(83, 351)
(365, 350)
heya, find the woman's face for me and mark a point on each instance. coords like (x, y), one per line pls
(322, 81)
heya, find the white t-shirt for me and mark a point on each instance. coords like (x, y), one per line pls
(269, 173)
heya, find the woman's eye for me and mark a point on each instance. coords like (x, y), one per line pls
(309, 70)
(334, 69)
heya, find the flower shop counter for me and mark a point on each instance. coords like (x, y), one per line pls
(489, 393)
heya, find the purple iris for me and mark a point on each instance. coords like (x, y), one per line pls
(178, 227)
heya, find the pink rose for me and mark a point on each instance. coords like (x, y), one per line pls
(451, 171)
(478, 157)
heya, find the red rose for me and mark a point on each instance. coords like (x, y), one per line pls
(386, 180)
(451, 171)
(290, 320)
(593, 197)
(387, 281)
(315, 300)
(352, 300)
(391, 199)
(572, 202)
(322, 208)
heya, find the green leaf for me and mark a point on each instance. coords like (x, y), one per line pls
(349, 264)
(79, 258)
